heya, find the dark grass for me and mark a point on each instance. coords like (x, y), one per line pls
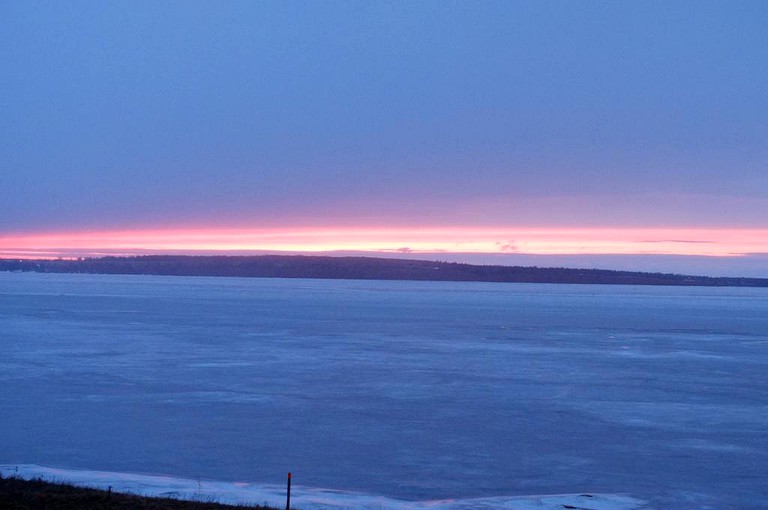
(19, 494)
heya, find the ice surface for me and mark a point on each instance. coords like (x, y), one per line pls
(412, 390)
(305, 498)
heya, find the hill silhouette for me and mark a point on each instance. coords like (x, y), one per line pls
(359, 268)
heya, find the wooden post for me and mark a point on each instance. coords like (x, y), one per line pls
(288, 494)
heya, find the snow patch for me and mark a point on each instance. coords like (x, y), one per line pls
(306, 498)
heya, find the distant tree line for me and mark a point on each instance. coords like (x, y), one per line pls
(359, 268)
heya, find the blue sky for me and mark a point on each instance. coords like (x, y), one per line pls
(140, 115)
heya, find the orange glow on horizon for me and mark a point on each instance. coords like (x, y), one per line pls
(529, 241)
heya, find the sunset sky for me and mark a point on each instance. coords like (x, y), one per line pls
(615, 134)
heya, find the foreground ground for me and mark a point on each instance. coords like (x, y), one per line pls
(18, 494)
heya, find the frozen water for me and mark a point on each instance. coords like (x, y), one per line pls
(409, 390)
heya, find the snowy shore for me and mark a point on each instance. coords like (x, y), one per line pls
(304, 498)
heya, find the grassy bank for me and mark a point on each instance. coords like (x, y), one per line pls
(18, 494)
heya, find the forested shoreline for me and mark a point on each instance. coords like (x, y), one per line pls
(359, 268)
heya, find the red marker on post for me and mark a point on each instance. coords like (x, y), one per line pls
(288, 494)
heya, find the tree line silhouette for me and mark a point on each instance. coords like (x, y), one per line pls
(359, 268)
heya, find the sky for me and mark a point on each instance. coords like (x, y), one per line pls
(625, 134)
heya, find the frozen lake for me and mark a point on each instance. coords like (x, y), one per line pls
(413, 390)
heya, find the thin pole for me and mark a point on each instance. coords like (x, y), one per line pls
(288, 494)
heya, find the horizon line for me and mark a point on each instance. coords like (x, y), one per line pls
(710, 242)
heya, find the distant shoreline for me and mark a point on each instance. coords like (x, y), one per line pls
(360, 268)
